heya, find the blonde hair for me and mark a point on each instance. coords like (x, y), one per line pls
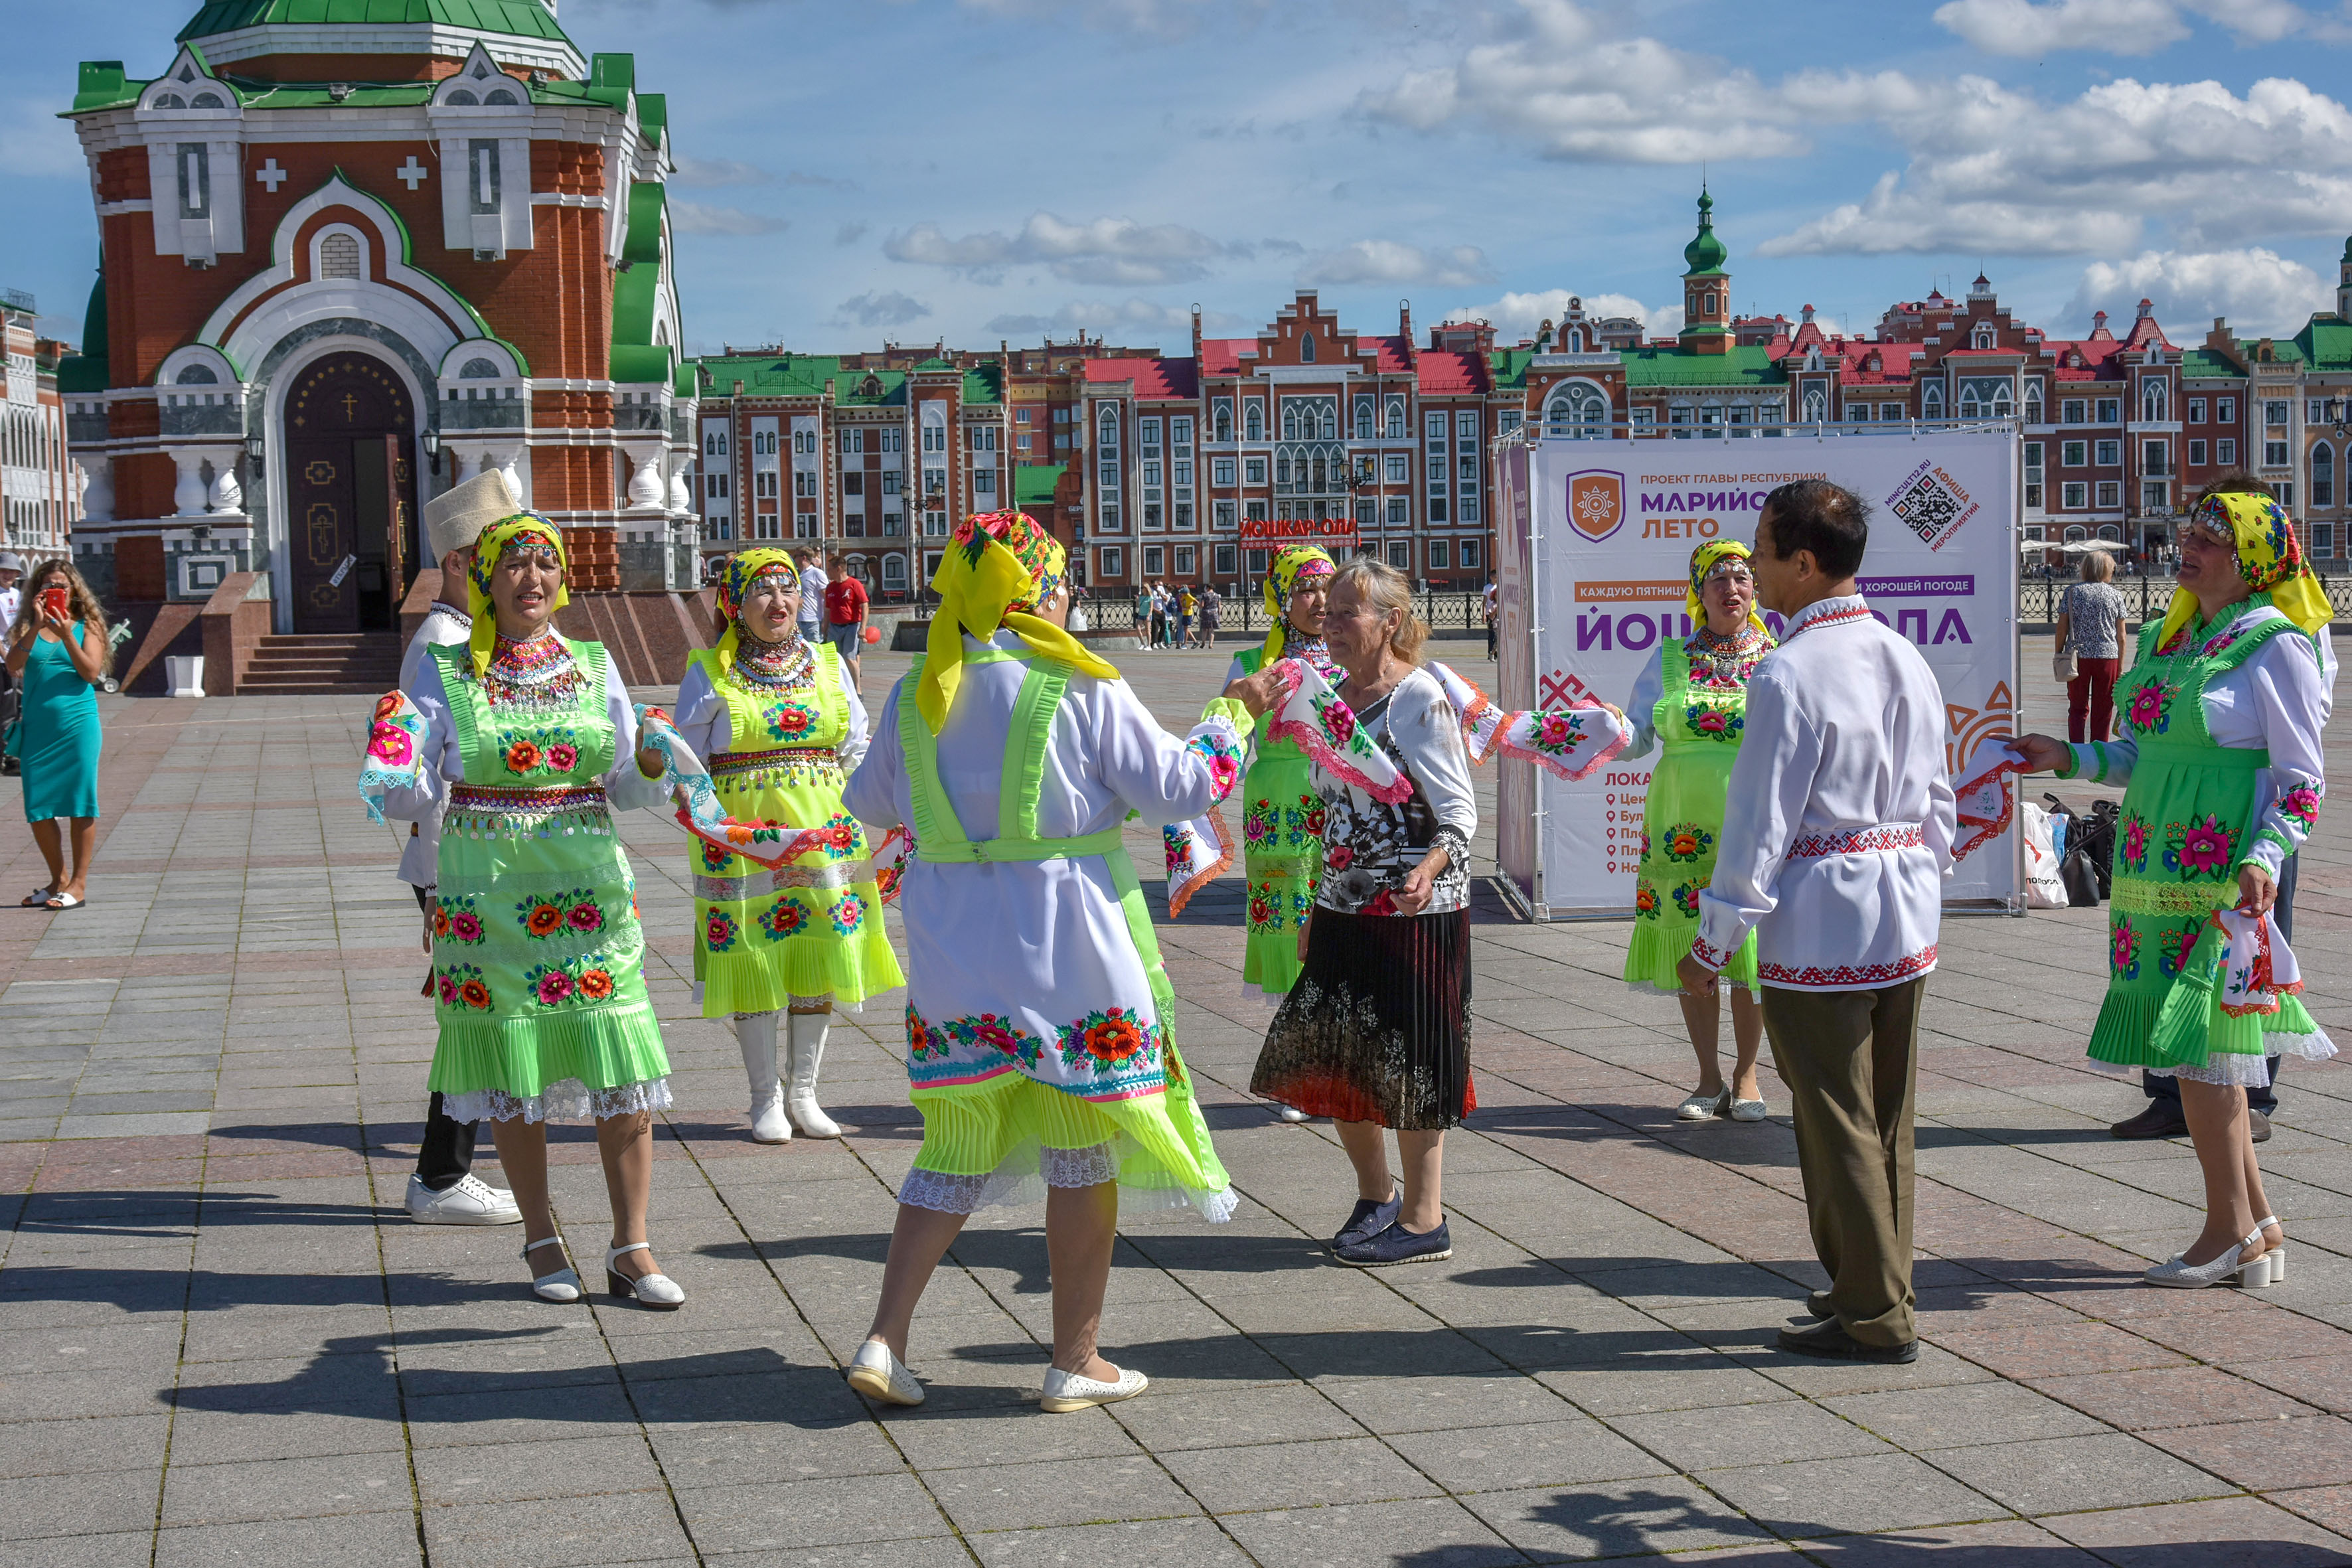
(85, 606)
(1377, 583)
(2099, 566)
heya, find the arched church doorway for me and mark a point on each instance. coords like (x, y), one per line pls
(351, 491)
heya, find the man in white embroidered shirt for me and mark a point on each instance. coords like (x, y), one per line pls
(1835, 850)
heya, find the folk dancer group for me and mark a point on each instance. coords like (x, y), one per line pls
(1797, 831)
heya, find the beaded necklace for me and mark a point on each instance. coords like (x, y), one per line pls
(772, 666)
(1314, 651)
(1726, 661)
(535, 675)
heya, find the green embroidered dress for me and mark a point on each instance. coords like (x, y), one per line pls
(538, 959)
(1041, 1043)
(778, 733)
(1282, 837)
(2220, 754)
(1693, 699)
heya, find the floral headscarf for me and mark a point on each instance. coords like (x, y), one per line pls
(524, 531)
(1291, 562)
(998, 568)
(1704, 562)
(736, 572)
(2268, 558)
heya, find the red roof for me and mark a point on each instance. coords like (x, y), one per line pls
(1444, 374)
(1152, 377)
(1392, 356)
(1221, 356)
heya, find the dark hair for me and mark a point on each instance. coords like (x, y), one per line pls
(2237, 482)
(1828, 519)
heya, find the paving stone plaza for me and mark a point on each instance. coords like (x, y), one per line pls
(222, 1341)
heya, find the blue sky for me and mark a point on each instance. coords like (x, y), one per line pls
(981, 169)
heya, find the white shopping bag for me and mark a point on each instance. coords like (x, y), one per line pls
(2044, 887)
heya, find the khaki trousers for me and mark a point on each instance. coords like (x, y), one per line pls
(1851, 1059)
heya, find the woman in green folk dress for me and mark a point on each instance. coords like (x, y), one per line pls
(526, 741)
(1693, 698)
(2223, 768)
(779, 729)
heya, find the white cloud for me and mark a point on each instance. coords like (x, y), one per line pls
(719, 171)
(849, 234)
(2259, 290)
(872, 310)
(694, 217)
(1129, 315)
(1391, 261)
(1515, 315)
(1558, 78)
(1994, 171)
(1106, 250)
(2024, 28)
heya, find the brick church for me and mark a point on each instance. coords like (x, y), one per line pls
(345, 264)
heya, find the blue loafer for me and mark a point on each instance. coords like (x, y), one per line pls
(1369, 1220)
(1397, 1245)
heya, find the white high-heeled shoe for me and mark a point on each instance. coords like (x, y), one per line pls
(2181, 1275)
(657, 1291)
(2277, 1255)
(877, 1373)
(563, 1284)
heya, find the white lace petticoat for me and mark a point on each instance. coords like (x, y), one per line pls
(569, 1101)
(1029, 1170)
(2237, 1070)
(792, 999)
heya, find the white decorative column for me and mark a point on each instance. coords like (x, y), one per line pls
(505, 463)
(226, 495)
(96, 476)
(188, 495)
(681, 497)
(646, 490)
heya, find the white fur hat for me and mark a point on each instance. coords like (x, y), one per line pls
(456, 517)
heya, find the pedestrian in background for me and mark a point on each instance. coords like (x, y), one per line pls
(1142, 615)
(845, 620)
(1210, 607)
(11, 568)
(1491, 650)
(1185, 606)
(2090, 630)
(812, 586)
(57, 652)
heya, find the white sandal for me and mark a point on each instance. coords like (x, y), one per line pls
(657, 1291)
(2181, 1275)
(1698, 1107)
(563, 1284)
(2277, 1255)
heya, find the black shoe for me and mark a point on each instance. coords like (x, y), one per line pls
(1397, 1245)
(2257, 1125)
(1817, 1305)
(1830, 1340)
(2162, 1119)
(1369, 1220)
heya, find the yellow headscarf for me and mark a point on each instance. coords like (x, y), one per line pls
(736, 575)
(1291, 562)
(523, 530)
(1703, 563)
(2268, 558)
(998, 568)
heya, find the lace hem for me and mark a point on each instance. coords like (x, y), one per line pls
(792, 1000)
(569, 1101)
(2238, 1070)
(1027, 1173)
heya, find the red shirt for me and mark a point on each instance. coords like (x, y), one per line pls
(844, 602)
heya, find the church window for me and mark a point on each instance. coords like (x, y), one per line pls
(339, 255)
(482, 171)
(196, 180)
(477, 368)
(2152, 400)
(460, 96)
(208, 100)
(1984, 335)
(1306, 349)
(498, 95)
(197, 375)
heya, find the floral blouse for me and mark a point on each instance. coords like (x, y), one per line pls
(1369, 846)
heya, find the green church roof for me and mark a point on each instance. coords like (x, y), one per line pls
(1750, 366)
(2326, 343)
(1706, 253)
(518, 18)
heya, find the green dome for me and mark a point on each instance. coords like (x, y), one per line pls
(1704, 252)
(520, 19)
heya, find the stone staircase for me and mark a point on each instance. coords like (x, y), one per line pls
(352, 662)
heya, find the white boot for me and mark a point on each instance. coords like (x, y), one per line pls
(808, 1054)
(757, 1035)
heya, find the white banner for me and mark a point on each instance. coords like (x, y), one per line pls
(1613, 524)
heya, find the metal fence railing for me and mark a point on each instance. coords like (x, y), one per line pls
(2144, 596)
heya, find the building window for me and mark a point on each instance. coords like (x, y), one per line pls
(2225, 454)
(1223, 515)
(1466, 427)
(1469, 555)
(1576, 411)
(2196, 454)
(2225, 410)
(2111, 494)
(1931, 403)
(2285, 494)
(1254, 421)
(2110, 453)
(2111, 411)
(2273, 454)
(1148, 431)
(2033, 403)
(1440, 555)
(1225, 558)
(1400, 556)
(1254, 468)
(1110, 562)
(2075, 411)
(2274, 413)
(2033, 473)
(1223, 415)
(1396, 419)
(2323, 475)
(1398, 513)
(2323, 539)
(1364, 421)
(1185, 561)
(2153, 402)
(1154, 559)
(2073, 495)
(2197, 411)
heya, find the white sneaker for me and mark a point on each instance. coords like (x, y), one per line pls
(1067, 1391)
(877, 1374)
(471, 1202)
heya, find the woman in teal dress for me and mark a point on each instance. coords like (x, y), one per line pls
(59, 660)
(527, 742)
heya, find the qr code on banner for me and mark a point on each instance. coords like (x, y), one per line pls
(1932, 504)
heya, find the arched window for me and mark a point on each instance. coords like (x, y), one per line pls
(2152, 400)
(1281, 470)
(1984, 335)
(1306, 348)
(1254, 420)
(458, 95)
(1575, 412)
(202, 376)
(1576, 340)
(1396, 418)
(1968, 408)
(1320, 475)
(478, 369)
(2323, 475)
(1364, 419)
(2033, 403)
(1931, 402)
(1816, 405)
(2002, 406)
(1330, 423)
(339, 255)
(1289, 423)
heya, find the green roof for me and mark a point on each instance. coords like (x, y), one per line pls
(1032, 483)
(103, 86)
(800, 375)
(1706, 253)
(636, 293)
(518, 18)
(1748, 365)
(1509, 367)
(2283, 351)
(2205, 365)
(935, 364)
(983, 384)
(2326, 343)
